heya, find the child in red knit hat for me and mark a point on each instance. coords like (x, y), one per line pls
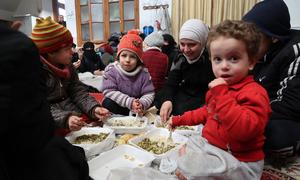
(236, 112)
(68, 97)
(127, 85)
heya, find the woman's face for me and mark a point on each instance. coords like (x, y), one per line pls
(190, 48)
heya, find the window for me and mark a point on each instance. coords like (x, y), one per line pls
(98, 19)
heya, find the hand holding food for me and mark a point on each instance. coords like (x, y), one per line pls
(102, 113)
(216, 82)
(137, 107)
(165, 111)
(75, 123)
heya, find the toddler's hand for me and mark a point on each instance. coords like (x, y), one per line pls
(75, 123)
(102, 113)
(216, 82)
(77, 63)
(170, 124)
(137, 107)
(179, 175)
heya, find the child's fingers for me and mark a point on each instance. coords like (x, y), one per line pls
(179, 175)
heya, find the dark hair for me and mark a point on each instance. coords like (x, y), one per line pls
(169, 38)
(240, 30)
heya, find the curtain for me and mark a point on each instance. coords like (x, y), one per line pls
(211, 12)
(183, 10)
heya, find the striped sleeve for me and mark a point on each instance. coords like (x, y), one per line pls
(147, 100)
(120, 98)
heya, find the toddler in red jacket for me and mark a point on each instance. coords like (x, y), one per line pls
(236, 112)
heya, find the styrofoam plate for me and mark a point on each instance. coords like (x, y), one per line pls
(123, 156)
(187, 132)
(160, 133)
(127, 129)
(93, 149)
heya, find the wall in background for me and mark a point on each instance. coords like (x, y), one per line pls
(293, 6)
(70, 18)
(148, 17)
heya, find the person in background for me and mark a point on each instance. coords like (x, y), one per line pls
(61, 20)
(29, 148)
(68, 97)
(154, 60)
(127, 85)
(107, 53)
(76, 56)
(235, 114)
(188, 80)
(278, 72)
(91, 62)
(170, 49)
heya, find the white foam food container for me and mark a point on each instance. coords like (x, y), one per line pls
(160, 133)
(127, 120)
(123, 156)
(97, 148)
(187, 132)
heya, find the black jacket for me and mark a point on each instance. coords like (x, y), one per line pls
(279, 73)
(29, 149)
(26, 122)
(67, 97)
(187, 84)
(89, 64)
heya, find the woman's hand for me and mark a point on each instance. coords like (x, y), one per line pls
(165, 111)
(98, 72)
(75, 123)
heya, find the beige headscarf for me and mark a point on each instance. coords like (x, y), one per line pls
(195, 30)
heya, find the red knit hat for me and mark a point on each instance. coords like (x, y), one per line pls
(49, 36)
(131, 42)
(107, 48)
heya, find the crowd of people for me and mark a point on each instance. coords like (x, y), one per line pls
(239, 78)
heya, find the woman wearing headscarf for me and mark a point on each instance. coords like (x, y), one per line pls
(190, 73)
(91, 62)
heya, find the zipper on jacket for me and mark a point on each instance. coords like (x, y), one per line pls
(60, 84)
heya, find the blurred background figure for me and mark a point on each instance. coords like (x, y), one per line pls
(61, 20)
(76, 56)
(106, 52)
(91, 62)
(154, 60)
(170, 49)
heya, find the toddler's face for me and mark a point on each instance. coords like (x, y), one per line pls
(62, 56)
(230, 59)
(128, 60)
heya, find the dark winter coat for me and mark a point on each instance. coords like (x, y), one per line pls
(187, 83)
(68, 97)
